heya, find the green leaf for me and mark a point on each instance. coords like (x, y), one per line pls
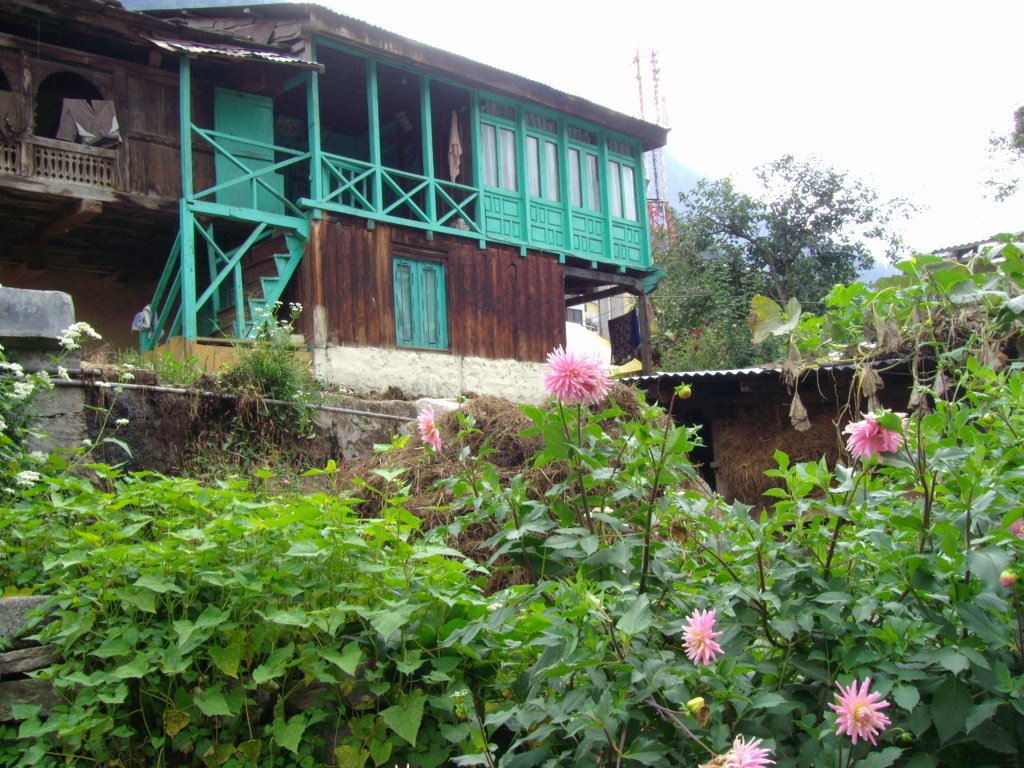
(765, 316)
(274, 666)
(217, 755)
(348, 756)
(174, 721)
(288, 734)
(294, 618)
(980, 713)
(24, 711)
(116, 647)
(305, 549)
(251, 749)
(987, 564)
(906, 696)
(226, 659)
(157, 583)
(949, 708)
(212, 703)
(137, 667)
(348, 660)
(637, 618)
(405, 719)
(881, 759)
(952, 660)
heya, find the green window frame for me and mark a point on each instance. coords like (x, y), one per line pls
(421, 307)
(622, 190)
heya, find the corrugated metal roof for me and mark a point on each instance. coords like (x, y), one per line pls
(669, 377)
(232, 51)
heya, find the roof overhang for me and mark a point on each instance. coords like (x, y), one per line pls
(221, 51)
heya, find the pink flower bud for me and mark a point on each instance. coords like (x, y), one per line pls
(1007, 578)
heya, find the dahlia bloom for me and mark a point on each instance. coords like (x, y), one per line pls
(868, 438)
(573, 377)
(747, 754)
(1008, 578)
(428, 428)
(699, 637)
(859, 713)
(1017, 528)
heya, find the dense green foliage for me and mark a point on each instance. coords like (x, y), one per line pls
(807, 229)
(211, 625)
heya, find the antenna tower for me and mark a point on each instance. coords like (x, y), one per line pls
(654, 161)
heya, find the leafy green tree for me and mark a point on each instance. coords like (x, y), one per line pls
(809, 228)
(1008, 153)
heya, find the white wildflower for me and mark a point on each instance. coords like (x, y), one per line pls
(104, 384)
(72, 336)
(22, 390)
(38, 456)
(27, 478)
(3, 425)
(9, 491)
(14, 369)
(127, 376)
(87, 442)
(62, 373)
(122, 422)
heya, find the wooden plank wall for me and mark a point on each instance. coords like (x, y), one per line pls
(500, 305)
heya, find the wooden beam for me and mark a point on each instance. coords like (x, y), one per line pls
(71, 216)
(633, 284)
(605, 293)
(642, 308)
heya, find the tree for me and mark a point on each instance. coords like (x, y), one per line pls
(808, 229)
(1008, 153)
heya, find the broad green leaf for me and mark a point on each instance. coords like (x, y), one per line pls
(275, 664)
(637, 618)
(289, 734)
(952, 660)
(295, 617)
(305, 549)
(765, 316)
(949, 708)
(251, 749)
(24, 711)
(116, 647)
(217, 755)
(348, 660)
(906, 696)
(157, 583)
(137, 667)
(212, 703)
(174, 721)
(880, 759)
(226, 659)
(405, 719)
(348, 756)
(980, 713)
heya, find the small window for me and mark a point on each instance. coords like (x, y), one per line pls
(533, 164)
(551, 167)
(594, 183)
(575, 179)
(499, 157)
(421, 318)
(622, 190)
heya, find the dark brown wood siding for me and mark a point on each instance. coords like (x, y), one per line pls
(500, 305)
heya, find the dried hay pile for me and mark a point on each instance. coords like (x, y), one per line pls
(498, 426)
(746, 441)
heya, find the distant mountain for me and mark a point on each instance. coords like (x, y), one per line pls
(680, 178)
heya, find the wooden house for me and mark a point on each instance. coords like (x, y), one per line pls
(433, 216)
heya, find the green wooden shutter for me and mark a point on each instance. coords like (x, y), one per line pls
(421, 312)
(248, 117)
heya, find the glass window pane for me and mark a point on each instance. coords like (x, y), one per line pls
(629, 193)
(615, 188)
(490, 156)
(575, 184)
(533, 164)
(508, 159)
(593, 183)
(551, 169)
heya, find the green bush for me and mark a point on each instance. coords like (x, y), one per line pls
(211, 625)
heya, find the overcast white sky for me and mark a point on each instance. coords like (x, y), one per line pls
(903, 94)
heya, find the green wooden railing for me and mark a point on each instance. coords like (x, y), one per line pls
(385, 194)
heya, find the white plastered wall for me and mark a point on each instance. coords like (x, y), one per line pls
(429, 374)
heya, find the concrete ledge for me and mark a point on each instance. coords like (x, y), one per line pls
(31, 322)
(429, 374)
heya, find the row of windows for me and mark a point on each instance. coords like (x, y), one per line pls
(499, 155)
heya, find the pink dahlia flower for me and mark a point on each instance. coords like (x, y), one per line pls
(1017, 528)
(428, 428)
(573, 377)
(868, 438)
(747, 754)
(859, 712)
(699, 637)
